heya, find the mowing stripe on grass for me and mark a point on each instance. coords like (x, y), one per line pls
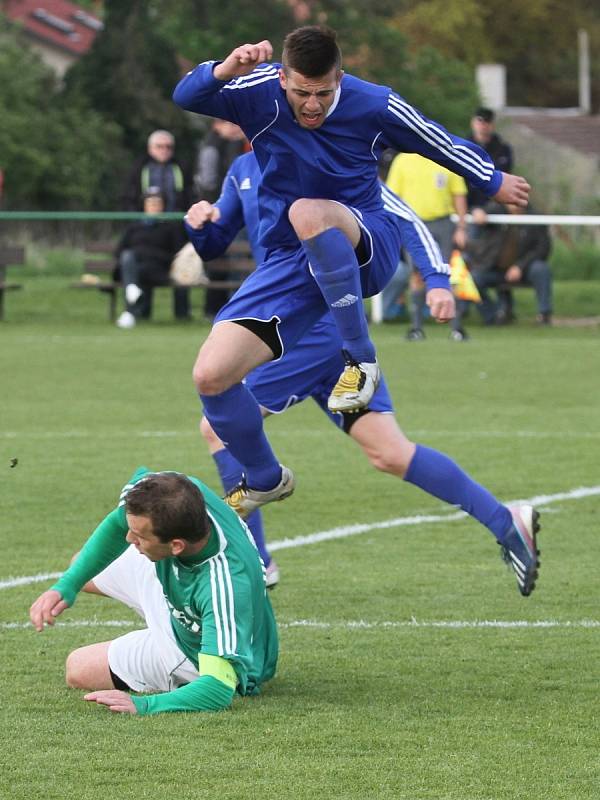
(415, 434)
(359, 624)
(353, 530)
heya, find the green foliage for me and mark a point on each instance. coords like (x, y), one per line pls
(212, 29)
(575, 262)
(537, 41)
(128, 77)
(443, 89)
(48, 150)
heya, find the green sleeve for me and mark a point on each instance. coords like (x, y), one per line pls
(105, 544)
(204, 694)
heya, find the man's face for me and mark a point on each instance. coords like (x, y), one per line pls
(310, 98)
(161, 148)
(482, 130)
(141, 535)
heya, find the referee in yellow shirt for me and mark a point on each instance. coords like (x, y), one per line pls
(434, 193)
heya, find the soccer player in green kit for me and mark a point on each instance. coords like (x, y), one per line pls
(181, 558)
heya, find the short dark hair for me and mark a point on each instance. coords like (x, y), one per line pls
(173, 503)
(485, 114)
(312, 51)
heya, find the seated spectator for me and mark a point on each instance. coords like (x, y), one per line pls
(144, 256)
(506, 255)
(159, 167)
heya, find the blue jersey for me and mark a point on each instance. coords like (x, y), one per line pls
(238, 204)
(239, 207)
(338, 160)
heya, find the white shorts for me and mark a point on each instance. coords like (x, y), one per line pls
(149, 660)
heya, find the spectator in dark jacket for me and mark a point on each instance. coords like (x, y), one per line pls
(483, 133)
(510, 255)
(158, 167)
(145, 254)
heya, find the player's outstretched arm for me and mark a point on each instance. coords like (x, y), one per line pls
(513, 190)
(243, 60)
(46, 608)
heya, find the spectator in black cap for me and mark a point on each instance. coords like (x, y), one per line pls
(483, 133)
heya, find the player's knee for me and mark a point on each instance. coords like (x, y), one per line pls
(306, 218)
(209, 379)
(76, 673)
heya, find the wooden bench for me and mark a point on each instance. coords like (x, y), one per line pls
(100, 263)
(9, 257)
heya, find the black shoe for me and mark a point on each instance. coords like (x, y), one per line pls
(459, 335)
(415, 335)
(544, 319)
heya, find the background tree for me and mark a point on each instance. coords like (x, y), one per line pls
(48, 152)
(536, 40)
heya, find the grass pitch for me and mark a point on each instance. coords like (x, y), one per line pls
(410, 666)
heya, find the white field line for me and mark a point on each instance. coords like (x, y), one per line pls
(10, 583)
(360, 624)
(415, 434)
(354, 530)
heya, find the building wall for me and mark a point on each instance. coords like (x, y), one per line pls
(564, 180)
(59, 62)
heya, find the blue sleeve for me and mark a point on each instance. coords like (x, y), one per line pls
(214, 238)
(419, 243)
(247, 100)
(407, 130)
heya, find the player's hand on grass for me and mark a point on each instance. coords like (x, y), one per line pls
(201, 213)
(513, 190)
(46, 608)
(243, 60)
(115, 699)
(441, 304)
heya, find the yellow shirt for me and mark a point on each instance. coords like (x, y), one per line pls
(424, 185)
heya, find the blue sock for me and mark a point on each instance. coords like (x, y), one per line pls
(437, 474)
(336, 271)
(236, 419)
(230, 472)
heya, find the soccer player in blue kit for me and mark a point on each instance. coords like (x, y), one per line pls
(311, 368)
(329, 232)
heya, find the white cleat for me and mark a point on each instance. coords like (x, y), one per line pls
(272, 575)
(356, 386)
(126, 320)
(244, 500)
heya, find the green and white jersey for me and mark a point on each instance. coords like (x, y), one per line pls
(218, 600)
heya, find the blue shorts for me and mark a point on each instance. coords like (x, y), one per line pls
(282, 289)
(310, 369)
